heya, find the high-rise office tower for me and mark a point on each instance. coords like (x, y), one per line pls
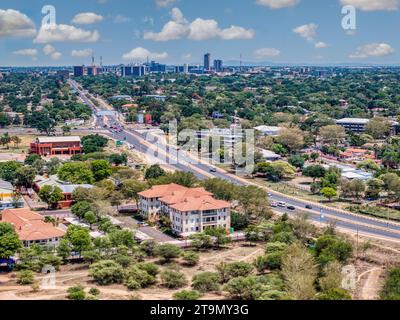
(207, 61)
(218, 65)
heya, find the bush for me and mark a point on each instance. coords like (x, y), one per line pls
(239, 221)
(150, 268)
(335, 294)
(25, 277)
(173, 279)
(329, 248)
(273, 247)
(190, 258)
(391, 289)
(106, 272)
(167, 252)
(148, 247)
(206, 282)
(76, 293)
(227, 271)
(135, 275)
(271, 261)
(243, 288)
(94, 291)
(186, 295)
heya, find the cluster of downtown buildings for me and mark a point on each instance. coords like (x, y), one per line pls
(138, 70)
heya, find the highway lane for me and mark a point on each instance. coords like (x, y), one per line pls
(319, 213)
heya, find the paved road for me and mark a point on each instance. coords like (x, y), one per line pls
(318, 213)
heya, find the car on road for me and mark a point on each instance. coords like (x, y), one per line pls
(282, 204)
(291, 208)
(274, 204)
(213, 169)
(309, 207)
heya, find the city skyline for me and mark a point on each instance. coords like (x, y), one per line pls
(179, 32)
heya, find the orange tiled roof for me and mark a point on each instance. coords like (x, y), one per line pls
(200, 204)
(162, 190)
(30, 226)
(181, 195)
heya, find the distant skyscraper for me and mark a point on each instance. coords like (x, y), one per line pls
(207, 61)
(218, 65)
(186, 68)
(133, 71)
(79, 71)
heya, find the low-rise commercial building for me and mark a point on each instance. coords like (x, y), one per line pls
(31, 228)
(51, 146)
(66, 188)
(190, 210)
(359, 125)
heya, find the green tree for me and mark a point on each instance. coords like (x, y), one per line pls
(81, 208)
(167, 252)
(106, 272)
(206, 282)
(300, 272)
(173, 279)
(9, 241)
(51, 195)
(329, 193)
(154, 172)
(76, 172)
(101, 169)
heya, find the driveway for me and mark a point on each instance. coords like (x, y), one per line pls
(155, 234)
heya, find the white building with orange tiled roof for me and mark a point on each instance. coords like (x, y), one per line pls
(31, 228)
(190, 210)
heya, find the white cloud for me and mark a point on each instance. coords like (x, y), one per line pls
(56, 55)
(199, 29)
(65, 33)
(141, 54)
(235, 32)
(164, 3)
(82, 53)
(320, 45)
(49, 50)
(307, 31)
(265, 53)
(87, 18)
(372, 50)
(26, 52)
(187, 56)
(278, 4)
(15, 24)
(373, 5)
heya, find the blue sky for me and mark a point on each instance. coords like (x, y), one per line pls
(181, 31)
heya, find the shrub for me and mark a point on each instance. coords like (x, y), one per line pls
(186, 295)
(106, 272)
(25, 277)
(167, 252)
(94, 291)
(148, 247)
(206, 282)
(141, 277)
(76, 293)
(391, 289)
(173, 279)
(190, 258)
(150, 268)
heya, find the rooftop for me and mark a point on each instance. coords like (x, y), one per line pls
(66, 187)
(29, 225)
(58, 139)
